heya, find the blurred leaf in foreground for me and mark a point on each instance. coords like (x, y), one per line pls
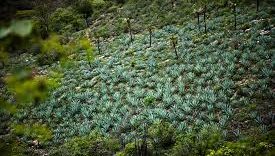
(28, 87)
(21, 28)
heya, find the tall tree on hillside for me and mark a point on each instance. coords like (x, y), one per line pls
(85, 7)
(42, 12)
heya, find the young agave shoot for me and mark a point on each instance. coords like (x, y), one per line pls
(174, 42)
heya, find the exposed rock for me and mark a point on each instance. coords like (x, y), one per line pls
(263, 32)
(215, 43)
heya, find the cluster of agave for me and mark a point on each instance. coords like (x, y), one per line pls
(131, 84)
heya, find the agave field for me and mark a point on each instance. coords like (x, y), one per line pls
(216, 77)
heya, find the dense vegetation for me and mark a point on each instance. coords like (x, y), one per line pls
(137, 77)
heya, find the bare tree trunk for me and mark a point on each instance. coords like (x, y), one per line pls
(198, 16)
(131, 35)
(150, 30)
(136, 147)
(175, 49)
(98, 45)
(204, 18)
(90, 64)
(235, 16)
(130, 30)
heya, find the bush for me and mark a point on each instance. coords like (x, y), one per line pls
(66, 20)
(10, 146)
(93, 144)
(133, 148)
(85, 45)
(241, 148)
(197, 143)
(130, 149)
(39, 132)
(51, 51)
(162, 134)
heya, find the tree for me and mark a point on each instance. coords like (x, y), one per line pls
(66, 20)
(42, 12)
(85, 7)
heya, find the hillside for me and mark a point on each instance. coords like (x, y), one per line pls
(211, 92)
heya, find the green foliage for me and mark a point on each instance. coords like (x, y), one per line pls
(98, 3)
(130, 149)
(7, 107)
(241, 148)
(209, 85)
(162, 133)
(89, 49)
(52, 44)
(93, 144)
(149, 101)
(84, 7)
(52, 50)
(38, 132)
(24, 14)
(42, 12)
(198, 143)
(10, 146)
(3, 56)
(66, 21)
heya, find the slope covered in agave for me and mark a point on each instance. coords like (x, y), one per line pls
(222, 78)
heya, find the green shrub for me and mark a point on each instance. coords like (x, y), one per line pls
(85, 45)
(241, 148)
(132, 148)
(162, 134)
(197, 143)
(10, 146)
(93, 144)
(149, 100)
(51, 50)
(66, 20)
(38, 132)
